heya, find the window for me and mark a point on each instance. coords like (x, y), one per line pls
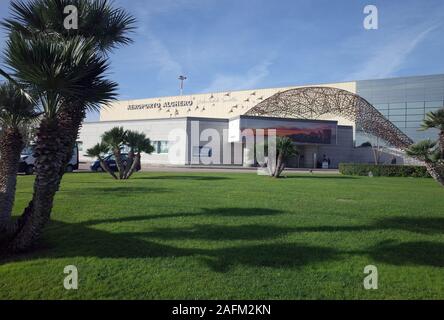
(399, 124)
(160, 146)
(415, 111)
(163, 146)
(202, 152)
(433, 105)
(397, 109)
(417, 117)
(396, 118)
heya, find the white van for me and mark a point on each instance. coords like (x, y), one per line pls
(27, 161)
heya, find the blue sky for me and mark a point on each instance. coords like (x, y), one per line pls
(240, 44)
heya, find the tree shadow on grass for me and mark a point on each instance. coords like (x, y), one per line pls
(85, 239)
(183, 177)
(430, 225)
(324, 177)
(213, 212)
(216, 233)
(425, 253)
(119, 191)
(125, 190)
(269, 255)
(72, 240)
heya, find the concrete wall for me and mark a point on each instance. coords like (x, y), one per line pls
(222, 105)
(154, 129)
(159, 129)
(204, 132)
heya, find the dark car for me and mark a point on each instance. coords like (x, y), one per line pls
(110, 160)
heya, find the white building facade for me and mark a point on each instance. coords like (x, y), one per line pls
(206, 128)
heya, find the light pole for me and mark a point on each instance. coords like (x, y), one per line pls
(182, 79)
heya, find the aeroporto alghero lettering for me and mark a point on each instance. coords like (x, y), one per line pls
(155, 105)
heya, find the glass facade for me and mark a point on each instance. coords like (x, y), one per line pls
(404, 101)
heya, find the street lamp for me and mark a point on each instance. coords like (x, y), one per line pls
(182, 79)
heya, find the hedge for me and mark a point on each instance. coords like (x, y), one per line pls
(383, 170)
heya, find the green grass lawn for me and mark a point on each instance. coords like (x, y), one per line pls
(235, 236)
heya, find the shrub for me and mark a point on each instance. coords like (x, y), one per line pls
(359, 169)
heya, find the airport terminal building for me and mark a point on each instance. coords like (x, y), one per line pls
(190, 122)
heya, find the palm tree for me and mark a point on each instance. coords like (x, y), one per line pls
(59, 72)
(66, 68)
(98, 151)
(16, 111)
(115, 139)
(107, 26)
(100, 22)
(428, 152)
(138, 143)
(285, 149)
(436, 120)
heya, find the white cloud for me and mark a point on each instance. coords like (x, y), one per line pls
(249, 80)
(389, 56)
(160, 56)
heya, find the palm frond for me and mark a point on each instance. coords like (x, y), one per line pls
(65, 70)
(434, 119)
(115, 138)
(109, 27)
(424, 150)
(15, 107)
(138, 142)
(97, 151)
(286, 146)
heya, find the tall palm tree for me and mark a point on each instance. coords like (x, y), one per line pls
(65, 95)
(59, 72)
(428, 152)
(138, 143)
(98, 151)
(106, 26)
(435, 120)
(99, 20)
(115, 139)
(16, 111)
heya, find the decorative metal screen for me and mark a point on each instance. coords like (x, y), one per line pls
(313, 102)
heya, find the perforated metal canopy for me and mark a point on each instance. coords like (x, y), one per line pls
(313, 102)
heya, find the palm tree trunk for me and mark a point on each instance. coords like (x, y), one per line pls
(70, 119)
(129, 165)
(281, 168)
(11, 145)
(106, 168)
(277, 169)
(134, 165)
(441, 143)
(120, 168)
(50, 154)
(28, 227)
(436, 172)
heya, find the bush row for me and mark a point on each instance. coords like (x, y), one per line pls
(358, 169)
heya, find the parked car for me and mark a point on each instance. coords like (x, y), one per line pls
(110, 160)
(27, 161)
